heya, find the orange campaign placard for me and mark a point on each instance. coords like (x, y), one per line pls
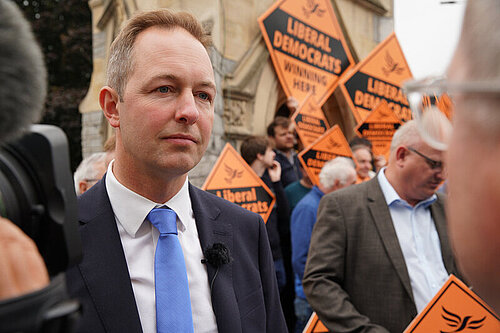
(455, 308)
(442, 102)
(330, 145)
(234, 180)
(310, 121)
(314, 325)
(379, 127)
(307, 47)
(378, 77)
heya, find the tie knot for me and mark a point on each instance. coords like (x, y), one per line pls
(164, 219)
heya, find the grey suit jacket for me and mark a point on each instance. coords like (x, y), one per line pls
(356, 277)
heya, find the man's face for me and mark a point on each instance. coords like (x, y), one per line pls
(364, 161)
(283, 138)
(420, 180)
(166, 115)
(474, 192)
(268, 157)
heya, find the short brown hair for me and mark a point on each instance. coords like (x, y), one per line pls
(279, 121)
(252, 146)
(121, 60)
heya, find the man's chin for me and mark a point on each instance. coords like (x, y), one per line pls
(180, 164)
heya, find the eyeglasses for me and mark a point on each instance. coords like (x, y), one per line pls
(431, 98)
(433, 164)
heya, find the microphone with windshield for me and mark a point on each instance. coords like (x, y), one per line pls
(216, 255)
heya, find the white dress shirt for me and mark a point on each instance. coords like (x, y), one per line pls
(419, 241)
(139, 240)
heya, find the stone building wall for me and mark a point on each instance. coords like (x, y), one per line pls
(248, 89)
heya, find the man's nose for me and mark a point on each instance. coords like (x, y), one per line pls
(186, 109)
(441, 172)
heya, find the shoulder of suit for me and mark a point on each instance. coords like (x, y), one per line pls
(441, 198)
(355, 190)
(226, 207)
(93, 202)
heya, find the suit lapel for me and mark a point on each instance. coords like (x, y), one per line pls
(104, 268)
(383, 222)
(438, 215)
(214, 229)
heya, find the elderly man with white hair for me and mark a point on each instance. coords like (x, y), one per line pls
(335, 174)
(90, 171)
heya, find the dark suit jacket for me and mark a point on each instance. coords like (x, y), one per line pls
(356, 277)
(245, 295)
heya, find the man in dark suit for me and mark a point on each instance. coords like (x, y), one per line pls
(379, 250)
(160, 99)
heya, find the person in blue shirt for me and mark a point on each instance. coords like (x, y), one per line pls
(334, 175)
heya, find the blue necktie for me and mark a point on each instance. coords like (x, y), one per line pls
(173, 305)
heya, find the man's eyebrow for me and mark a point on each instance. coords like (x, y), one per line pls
(208, 84)
(159, 77)
(173, 77)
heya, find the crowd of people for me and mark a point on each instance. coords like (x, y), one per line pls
(366, 248)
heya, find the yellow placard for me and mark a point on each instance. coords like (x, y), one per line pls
(455, 308)
(310, 121)
(378, 77)
(379, 127)
(330, 145)
(307, 47)
(234, 180)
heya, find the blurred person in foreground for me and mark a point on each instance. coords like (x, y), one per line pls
(22, 94)
(144, 215)
(474, 147)
(335, 174)
(379, 250)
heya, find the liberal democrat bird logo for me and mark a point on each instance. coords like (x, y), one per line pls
(333, 143)
(232, 174)
(391, 66)
(312, 8)
(381, 115)
(460, 324)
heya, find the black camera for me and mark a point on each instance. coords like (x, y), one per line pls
(37, 194)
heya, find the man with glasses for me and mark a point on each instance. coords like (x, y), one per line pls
(379, 250)
(474, 146)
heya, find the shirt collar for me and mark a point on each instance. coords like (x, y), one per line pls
(316, 190)
(391, 196)
(131, 209)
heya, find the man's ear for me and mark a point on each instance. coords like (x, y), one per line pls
(83, 186)
(401, 153)
(108, 99)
